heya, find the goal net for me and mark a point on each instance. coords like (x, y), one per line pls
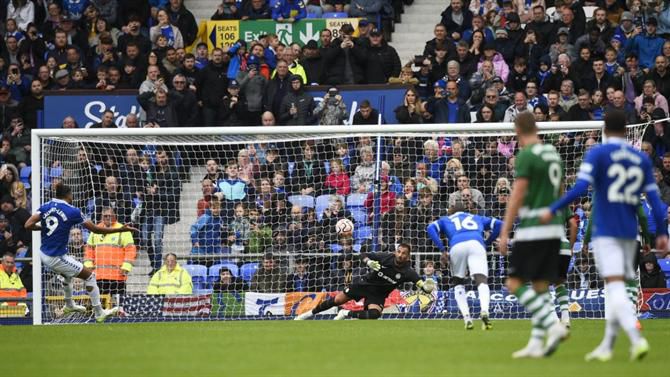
(245, 223)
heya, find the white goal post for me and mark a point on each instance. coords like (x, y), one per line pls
(205, 142)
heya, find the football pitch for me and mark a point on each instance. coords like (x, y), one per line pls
(314, 348)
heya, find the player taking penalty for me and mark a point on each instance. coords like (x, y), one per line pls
(388, 271)
(55, 219)
(619, 174)
(467, 253)
(535, 255)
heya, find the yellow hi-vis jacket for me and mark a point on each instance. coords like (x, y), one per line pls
(177, 282)
(110, 253)
(11, 285)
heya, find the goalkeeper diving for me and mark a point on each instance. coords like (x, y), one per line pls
(387, 272)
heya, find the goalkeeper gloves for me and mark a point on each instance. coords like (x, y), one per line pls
(427, 286)
(373, 265)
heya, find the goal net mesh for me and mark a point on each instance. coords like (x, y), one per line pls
(245, 226)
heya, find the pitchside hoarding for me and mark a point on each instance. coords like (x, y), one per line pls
(87, 107)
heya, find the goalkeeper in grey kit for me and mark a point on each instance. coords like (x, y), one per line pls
(388, 271)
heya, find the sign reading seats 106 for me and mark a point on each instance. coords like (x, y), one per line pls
(226, 33)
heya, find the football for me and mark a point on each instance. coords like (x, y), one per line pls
(344, 227)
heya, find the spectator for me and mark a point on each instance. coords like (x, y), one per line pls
(11, 285)
(364, 172)
(17, 218)
(22, 11)
(8, 107)
(600, 79)
(301, 280)
(541, 26)
(386, 199)
(649, 90)
(658, 135)
(161, 107)
(187, 108)
(115, 198)
(107, 9)
(297, 107)
(331, 215)
(211, 87)
(112, 255)
(441, 38)
(463, 183)
(663, 188)
(445, 106)
(661, 76)
(331, 110)
(581, 110)
(277, 88)
(166, 29)
(233, 110)
(162, 191)
(31, 104)
(228, 282)
(171, 279)
(345, 276)
(412, 110)
(347, 60)
(338, 179)
(456, 19)
(383, 61)
(206, 232)
(647, 46)
(567, 97)
(593, 41)
(366, 114)
(651, 275)
(367, 9)
(133, 35)
(486, 114)
(313, 63)
(419, 217)
(520, 105)
(183, 19)
(256, 10)
(269, 278)
(282, 11)
(619, 103)
(19, 139)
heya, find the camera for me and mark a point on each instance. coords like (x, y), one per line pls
(418, 60)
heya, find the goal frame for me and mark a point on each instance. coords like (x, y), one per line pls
(458, 129)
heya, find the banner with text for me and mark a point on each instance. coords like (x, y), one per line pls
(87, 110)
(226, 33)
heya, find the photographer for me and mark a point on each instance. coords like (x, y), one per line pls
(445, 106)
(647, 46)
(332, 110)
(18, 85)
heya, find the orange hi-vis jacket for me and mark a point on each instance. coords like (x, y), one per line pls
(11, 285)
(110, 253)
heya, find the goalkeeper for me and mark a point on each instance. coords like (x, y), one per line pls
(387, 272)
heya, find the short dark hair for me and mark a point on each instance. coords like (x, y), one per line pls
(364, 104)
(61, 190)
(615, 120)
(406, 246)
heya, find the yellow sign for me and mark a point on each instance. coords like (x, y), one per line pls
(334, 25)
(222, 33)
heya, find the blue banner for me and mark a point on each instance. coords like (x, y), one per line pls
(87, 109)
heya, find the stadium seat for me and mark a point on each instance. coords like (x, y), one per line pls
(360, 215)
(336, 248)
(304, 201)
(248, 270)
(357, 247)
(198, 274)
(214, 272)
(335, 15)
(362, 233)
(665, 266)
(356, 200)
(25, 174)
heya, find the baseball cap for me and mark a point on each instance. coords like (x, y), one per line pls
(502, 31)
(363, 23)
(3, 217)
(61, 74)
(513, 17)
(7, 199)
(658, 114)
(652, 21)
(440, 83)
(496, 79)
(563, 30)
(375, 32)
(234, 84)
(312, 45)
(626, 16)
(489, 46)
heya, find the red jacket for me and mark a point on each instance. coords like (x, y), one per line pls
(339, 182)
(387, 202)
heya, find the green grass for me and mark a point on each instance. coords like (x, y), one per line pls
(313, 348)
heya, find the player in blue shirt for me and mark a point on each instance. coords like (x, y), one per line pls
(465, 232)
(618, 174)
(54, 220)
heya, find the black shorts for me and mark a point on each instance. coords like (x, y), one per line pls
(535, 260)
(371, 294)
(563, 265)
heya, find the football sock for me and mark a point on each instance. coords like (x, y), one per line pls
(632, 290)
(365, 314)
(623, 309)
(484, 297)
(67, 289)
(539, 308)
(324, 305)
(611, 324)
(94, 294)
(563, 301)
(462, 301)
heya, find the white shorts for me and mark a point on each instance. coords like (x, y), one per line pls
(63, 265)
(615, 256)
(468, 255)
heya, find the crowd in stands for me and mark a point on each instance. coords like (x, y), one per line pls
(487, 58)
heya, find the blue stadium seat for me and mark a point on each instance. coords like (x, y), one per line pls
(335, 15)
(362, 232)
(326, 166)
(356, 200)
(357, 247)
(667, 283)
(198, 274)
(360, 215)
(336, 247)
(248, 270)
(24, 175)
(304, 201)
(665, 266)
